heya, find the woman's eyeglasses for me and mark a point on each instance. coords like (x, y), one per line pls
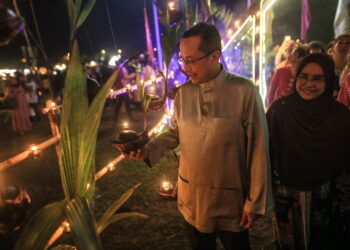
(312, 78)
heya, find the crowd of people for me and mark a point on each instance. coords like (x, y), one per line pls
(291, 53)
(23, 96)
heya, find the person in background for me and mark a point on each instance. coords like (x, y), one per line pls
(220, 128)
(32, 97)
(105, 71)
(344, 93)
(20, 115)
(309, 146)
(341, 48)
(281, 58)
(282, 82)
(330, 49)
(340, 57)
(316, 47)
(122, 80)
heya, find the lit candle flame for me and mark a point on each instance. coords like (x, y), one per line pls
(237, 23)
(153, 78)
(171, 5)
(53, 105)
(65, 225)
(110, 166)
(166, 186)
(125, 125)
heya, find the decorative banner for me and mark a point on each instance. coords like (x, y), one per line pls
(341, 20)
(305, 19)
(148, 37)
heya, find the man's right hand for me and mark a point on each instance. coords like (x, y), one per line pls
(138, 155)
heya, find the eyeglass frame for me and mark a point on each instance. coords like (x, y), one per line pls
(317, 79)
(182, 62)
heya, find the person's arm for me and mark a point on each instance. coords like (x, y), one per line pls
(259, 197)
(155, 148)
(344, 94)
(273, 88)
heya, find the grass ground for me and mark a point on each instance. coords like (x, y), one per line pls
(163, 229)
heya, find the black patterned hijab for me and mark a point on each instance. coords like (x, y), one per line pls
(309, 138)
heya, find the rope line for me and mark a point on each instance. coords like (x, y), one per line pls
(110, 25)
(38, 31)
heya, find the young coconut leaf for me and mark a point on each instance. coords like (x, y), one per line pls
(71, 13)
(86, 167)
(104, 221)
(118, 217)
(41, 227)
(77, 6)
(82, 223)
(85, 12)
(75, 107)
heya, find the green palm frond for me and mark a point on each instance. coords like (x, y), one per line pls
(118, 217)
(171, 38)
(86, 166)
(104, 221)
(224, 14)
(41, 227)
(79, 129)
(85, 12)
(140, 88)
(75, 107)
(82, 223)
(78, 13)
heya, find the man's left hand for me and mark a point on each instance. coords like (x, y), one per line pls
(247, 219)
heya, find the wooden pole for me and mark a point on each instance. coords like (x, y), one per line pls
(24, 155)
(53, 118)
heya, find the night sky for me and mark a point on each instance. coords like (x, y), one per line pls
(94, 35)
(128, 25)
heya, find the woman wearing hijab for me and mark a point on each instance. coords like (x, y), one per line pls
(309, 137)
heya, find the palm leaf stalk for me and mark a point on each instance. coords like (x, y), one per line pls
(79, 128)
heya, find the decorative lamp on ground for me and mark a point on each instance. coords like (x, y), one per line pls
(167, 190)
(14, 205)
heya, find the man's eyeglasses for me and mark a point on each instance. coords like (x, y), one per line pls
(312, 78)
(182, 62)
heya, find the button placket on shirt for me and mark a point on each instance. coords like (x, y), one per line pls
(205, 106)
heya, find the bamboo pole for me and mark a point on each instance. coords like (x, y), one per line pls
(24, 155)
(109, 167)
(53, 118)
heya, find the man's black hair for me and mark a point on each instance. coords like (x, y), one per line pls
(211, 39)
(301, 52)
(317, 45)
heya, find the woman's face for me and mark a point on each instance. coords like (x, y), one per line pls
(311, 82)
(12, 80)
